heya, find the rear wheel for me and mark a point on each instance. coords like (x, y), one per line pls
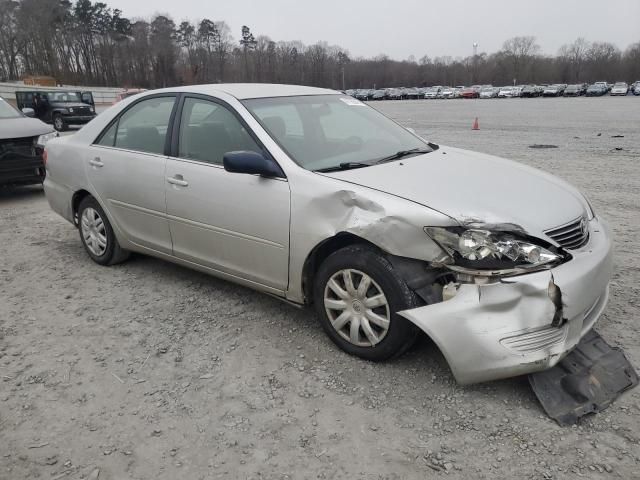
(97, 234)
(357, 295)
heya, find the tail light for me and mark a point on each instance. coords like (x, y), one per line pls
(44, 157)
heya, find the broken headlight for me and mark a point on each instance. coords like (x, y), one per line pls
(43, 139)
(488, 250)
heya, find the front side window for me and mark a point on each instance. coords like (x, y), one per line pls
(142, 128)
(326, 131)
(208, 130)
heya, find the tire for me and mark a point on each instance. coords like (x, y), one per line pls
(59, 123)
(362, 261)
(97, 234)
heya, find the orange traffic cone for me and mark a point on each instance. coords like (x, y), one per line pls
(476, 125)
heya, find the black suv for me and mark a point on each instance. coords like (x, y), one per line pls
(60, 108)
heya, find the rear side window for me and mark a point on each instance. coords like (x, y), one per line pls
(142, 128)
(208, 130)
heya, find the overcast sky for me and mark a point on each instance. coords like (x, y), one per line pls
(412, 27)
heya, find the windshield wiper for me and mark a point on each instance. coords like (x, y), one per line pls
(343, 166)
(404, 153)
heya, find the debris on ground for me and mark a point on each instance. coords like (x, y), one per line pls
(586, 381)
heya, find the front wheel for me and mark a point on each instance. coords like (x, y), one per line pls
(357, 295)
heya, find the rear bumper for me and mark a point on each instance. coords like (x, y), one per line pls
(504, 329)
(21, 170)
(59, 198)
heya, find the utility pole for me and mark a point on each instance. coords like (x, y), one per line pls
(474, 67)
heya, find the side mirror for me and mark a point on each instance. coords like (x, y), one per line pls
(252, 163)
(29, 112)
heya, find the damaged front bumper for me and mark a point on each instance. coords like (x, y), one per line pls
(21, 169)
(517, 325)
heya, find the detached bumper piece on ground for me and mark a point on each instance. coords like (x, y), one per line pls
(587, 380)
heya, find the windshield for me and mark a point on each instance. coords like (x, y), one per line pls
(7, 111)
(325, 131)
(64, 97)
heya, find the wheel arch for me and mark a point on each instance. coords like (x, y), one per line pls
(320, 252)
(77, 197)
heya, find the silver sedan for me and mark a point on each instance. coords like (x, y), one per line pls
(312, 196)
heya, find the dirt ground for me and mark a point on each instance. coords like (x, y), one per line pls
(151, 371)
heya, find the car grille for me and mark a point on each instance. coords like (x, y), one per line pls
(20, 146)
(571, 235)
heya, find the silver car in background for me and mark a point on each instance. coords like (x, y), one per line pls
(314, 197)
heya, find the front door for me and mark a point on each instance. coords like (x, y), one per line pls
(235, 223)
(126, 168)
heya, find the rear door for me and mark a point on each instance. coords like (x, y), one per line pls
(126, 167)
(235, 223)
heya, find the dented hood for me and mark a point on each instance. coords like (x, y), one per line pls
(21, 127)
(475, 188)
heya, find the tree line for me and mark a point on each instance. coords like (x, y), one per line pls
(89, 43)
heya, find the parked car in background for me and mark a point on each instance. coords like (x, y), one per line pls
(471, 92)
(555, 90)
(530, 91)
(432, 92)
(378, 95)
(364, 94)
(505, 92)
(607, 86)
(574, 90)
(352, 214)
(22, 140)
(636, 88)
(448, 92)
(517, 91)
(351, 92)
(130, 92)
(596, 90)
(393, 94)
(60, 108)
(619, 89)
(411, 93)
(488, 92)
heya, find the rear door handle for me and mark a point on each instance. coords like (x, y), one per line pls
(178, 180)
(96, 162)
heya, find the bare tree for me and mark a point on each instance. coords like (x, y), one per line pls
(574, 56)
(519, 52)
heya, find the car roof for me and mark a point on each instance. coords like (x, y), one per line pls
(243, 91)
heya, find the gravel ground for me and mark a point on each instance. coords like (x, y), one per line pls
(148, 370)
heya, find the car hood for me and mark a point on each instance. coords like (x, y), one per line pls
(21, 127)
(475, 188)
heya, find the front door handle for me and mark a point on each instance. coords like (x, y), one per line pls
(96, 162)
(178, 180)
